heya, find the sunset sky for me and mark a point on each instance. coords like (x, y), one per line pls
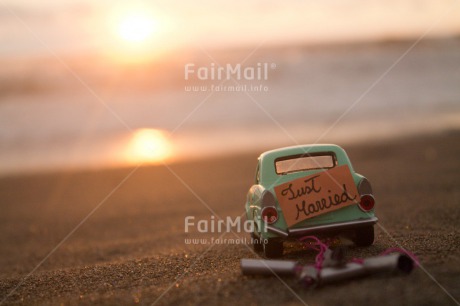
(73, 26)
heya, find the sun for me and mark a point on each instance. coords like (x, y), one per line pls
(133, 24)
(149, 146)
(136, 27)
(136, 33)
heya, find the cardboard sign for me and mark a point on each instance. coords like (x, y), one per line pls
(317, 194)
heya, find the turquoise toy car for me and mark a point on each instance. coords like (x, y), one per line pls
(308, 190)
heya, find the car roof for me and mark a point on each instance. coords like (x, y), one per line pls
(267, 159)
(300, 149)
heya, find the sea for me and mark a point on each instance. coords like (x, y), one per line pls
(84, 111)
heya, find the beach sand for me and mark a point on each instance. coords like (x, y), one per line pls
(132, 249)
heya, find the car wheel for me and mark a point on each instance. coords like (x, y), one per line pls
(256, 243)
(273, 248)
(364, 236)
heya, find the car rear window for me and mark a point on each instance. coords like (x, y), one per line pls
(304, 162)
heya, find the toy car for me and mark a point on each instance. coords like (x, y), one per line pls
(308, 190)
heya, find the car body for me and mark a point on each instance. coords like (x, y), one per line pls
(263, 203)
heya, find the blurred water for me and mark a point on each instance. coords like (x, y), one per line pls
(67, 126)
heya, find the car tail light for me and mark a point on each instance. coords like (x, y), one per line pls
(270, 214)
(364, 187)
(367, 202)
(268, 199)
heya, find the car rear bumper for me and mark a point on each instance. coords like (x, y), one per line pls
(339, 226)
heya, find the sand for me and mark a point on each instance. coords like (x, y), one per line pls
(132, 249)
